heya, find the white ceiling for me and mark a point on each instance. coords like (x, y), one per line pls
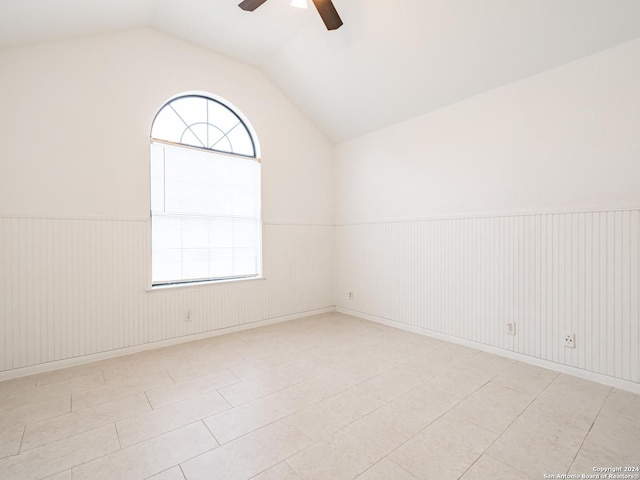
(392, 59)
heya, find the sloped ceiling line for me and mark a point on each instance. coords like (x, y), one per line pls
(391, 61)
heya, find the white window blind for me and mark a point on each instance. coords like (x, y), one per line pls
(205, 215)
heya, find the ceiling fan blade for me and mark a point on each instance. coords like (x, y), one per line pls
(250, 5)
(328, 13)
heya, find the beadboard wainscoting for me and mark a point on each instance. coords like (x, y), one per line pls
(77, 287)
(551, 274)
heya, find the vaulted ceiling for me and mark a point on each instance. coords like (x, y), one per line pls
(392, 59)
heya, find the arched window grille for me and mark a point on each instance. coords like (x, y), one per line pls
(205, 193)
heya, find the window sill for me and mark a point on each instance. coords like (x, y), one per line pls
(195, 285)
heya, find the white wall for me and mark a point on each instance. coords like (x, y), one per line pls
(563, 140)
(460, 220)
(77, 116)
(74, 198)
(453, 222)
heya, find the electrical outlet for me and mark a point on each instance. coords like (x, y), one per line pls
(350, 295)
(570, 340)
(511, 328)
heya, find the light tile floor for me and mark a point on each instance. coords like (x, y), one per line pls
(328, 397)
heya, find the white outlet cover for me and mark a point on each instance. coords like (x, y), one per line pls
(570, 340)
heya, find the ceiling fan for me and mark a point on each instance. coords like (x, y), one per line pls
(325, 8)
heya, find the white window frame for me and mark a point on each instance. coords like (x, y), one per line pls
(221, 155)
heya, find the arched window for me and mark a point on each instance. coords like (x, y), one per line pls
(205, 193)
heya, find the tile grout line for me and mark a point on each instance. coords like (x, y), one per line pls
(498, 437)
(590, 428)
(80, 464)
(400, 466)
(24, 431)
(379, 461)
(184, 476)
(96, 427)
(231, 407)
(7, 412)
(291, 466)
(526, 475)
(149, 401)
(507, 428)
(216, 389)
(139, 442)
(117, 435)
(261, 396)
(388, 402)
(288, 416)
(170, 376)
(441, 415)
(284, 460)
(210, 432)
(136, 444)
(462, 400)
(249, 432)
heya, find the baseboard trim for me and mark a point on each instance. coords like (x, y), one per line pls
(72, 362)
(121, 352)
(558, 367)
